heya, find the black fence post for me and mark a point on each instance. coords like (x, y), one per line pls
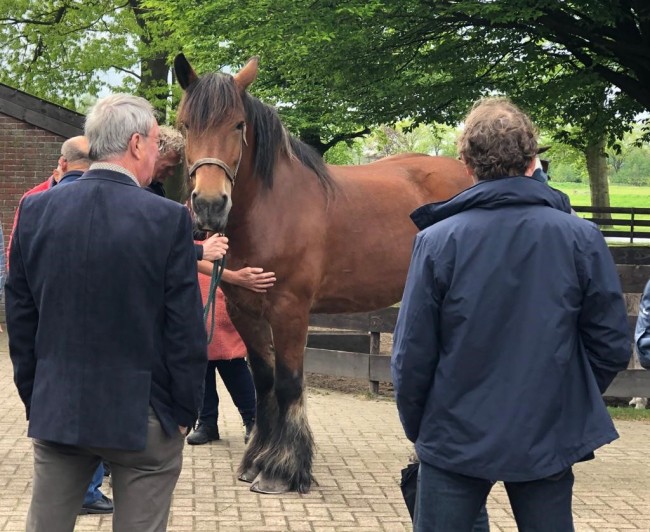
(375, 342)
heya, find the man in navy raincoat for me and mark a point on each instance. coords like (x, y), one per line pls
(642, 332)
(511, 327)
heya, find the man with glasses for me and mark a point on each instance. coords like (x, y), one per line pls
(115, 372)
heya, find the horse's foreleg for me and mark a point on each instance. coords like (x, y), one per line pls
(256, 333)
(286, 463)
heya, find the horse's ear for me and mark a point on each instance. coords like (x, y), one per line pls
(247, 74)
(184, 72)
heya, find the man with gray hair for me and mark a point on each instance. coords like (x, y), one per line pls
(105, 328)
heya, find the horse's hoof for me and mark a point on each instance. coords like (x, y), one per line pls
(249, 475)
(269, 486)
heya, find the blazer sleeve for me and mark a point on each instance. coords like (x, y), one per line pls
(185, 339)
(642, 331)
(415, 341)
(22, 322)
(603, 321)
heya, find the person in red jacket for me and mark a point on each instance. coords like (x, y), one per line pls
(41, 187)
(227, 355)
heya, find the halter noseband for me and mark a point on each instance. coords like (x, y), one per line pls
(216, 162)
(230, 174)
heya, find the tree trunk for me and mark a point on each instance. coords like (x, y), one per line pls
(153, 66)
(597, 169)
(154, 84)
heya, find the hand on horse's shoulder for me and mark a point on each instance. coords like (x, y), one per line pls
(255, 279)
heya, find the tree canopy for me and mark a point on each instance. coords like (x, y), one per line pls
(63, 50)
(340, 66)
(335, 68)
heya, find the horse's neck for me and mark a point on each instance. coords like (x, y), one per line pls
(260, 212)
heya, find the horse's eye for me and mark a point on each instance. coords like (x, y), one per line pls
(240, 126)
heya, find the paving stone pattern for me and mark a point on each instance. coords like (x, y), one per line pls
(360, 451)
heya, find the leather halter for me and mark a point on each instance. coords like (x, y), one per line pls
(216, 162)
(230, 174)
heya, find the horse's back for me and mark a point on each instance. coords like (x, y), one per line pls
(425, 178)
(368, 231)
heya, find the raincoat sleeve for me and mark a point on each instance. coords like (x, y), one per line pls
(642, 332)
(415, 342)
(603, 321)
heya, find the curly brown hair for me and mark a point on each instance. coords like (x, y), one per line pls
(499, 139)
(171, 141)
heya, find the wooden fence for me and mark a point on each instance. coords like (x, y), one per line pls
(365, 330)
(629, 223)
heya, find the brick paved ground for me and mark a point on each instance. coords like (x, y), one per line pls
(360, 450)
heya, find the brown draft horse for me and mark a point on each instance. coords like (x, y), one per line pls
(338, 238)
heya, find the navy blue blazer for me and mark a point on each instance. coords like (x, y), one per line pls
(104, 313)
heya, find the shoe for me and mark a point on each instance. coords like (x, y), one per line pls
(249, 428)
(203, 434)
(102, 505)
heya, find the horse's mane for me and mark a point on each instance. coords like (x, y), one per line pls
(214, 98)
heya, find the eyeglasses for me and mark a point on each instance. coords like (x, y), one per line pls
(159, 142)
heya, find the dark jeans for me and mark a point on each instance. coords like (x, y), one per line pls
(449, 501)
(239, 383)
(92, 493)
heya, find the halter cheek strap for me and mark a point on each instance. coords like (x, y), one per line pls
(218, 162)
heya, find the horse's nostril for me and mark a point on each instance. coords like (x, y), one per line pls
(199, 204)
(194, 195)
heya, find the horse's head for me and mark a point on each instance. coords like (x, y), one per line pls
(212, 116)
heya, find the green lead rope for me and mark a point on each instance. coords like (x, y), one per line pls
(217, 272)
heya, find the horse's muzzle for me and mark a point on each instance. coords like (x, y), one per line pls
(211, 214)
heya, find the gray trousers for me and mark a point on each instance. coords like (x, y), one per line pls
(143, 482)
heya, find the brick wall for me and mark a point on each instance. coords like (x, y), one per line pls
(28, 155)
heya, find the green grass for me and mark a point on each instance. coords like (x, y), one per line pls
(629, 413)
(619, 195)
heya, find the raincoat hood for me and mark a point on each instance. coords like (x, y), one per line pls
(490, 194)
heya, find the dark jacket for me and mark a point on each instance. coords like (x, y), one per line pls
(69, 177)
(511, 326)
(104, 313)
(157, 188)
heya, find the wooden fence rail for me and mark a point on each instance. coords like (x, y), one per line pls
(375, 367)
(623, 222)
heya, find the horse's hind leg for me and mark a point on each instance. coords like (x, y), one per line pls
(286, 462)
(256, 333)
